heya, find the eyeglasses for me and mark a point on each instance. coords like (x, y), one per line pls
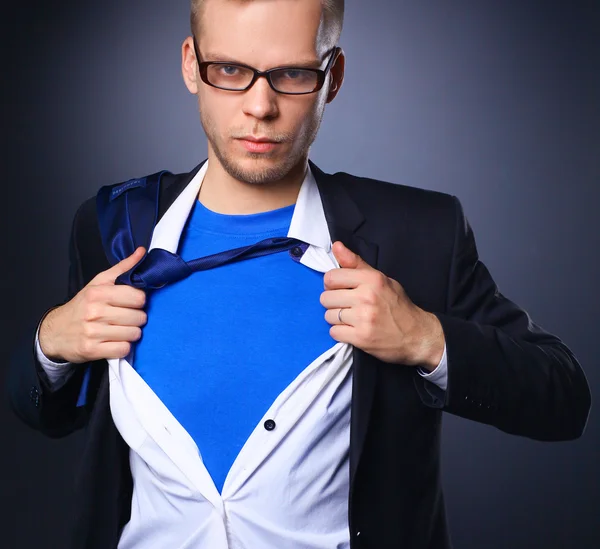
(238, 77)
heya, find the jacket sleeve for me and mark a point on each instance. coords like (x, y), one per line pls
(54, 413)
(503, 369)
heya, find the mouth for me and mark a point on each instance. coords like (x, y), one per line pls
(258, 144)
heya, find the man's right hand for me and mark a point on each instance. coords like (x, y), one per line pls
(101, 321)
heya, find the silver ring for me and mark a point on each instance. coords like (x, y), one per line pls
(340, 317)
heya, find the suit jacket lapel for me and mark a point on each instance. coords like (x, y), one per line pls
(345, 220)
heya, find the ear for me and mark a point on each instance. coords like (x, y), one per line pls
(336, 75)
(189, 65)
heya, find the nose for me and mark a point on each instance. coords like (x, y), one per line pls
(260, 101)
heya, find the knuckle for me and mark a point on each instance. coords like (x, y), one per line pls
(93, 294)
(379, 280)
(368, 315)
(371, 315)
(90, 314)
(88, 330)
(86, 348)
(370, 296)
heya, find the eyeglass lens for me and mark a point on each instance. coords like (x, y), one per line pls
(233, 77)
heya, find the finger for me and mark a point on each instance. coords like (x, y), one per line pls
(332, 299)
(120, 316)
(102, 313)
(347, 258)
(344, 279)
(116, 334)
(111, 349)
(110, 275)
(348, 317)
(125, 296)
(342, 333)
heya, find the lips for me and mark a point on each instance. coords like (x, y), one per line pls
(258, 144)
(257, 139)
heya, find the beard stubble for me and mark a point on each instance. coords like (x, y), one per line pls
(260, 174)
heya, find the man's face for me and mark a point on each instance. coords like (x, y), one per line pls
(262, 34)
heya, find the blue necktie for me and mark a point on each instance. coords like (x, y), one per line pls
(160, 267)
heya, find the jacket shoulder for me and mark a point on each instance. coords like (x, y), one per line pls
(393, 199)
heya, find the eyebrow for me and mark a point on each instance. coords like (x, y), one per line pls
(216, 56)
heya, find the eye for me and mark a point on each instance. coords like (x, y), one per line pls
(228, 70)
(293, 74)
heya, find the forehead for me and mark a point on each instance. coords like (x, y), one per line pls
(263, 33)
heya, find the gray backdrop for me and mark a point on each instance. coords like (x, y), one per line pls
(494, 101)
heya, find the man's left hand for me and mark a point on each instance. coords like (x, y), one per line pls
(377, 315)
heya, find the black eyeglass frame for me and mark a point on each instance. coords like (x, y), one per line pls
(321, 73)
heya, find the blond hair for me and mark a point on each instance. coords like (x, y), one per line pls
(333, 16)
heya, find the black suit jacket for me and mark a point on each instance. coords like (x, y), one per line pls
(503, 369)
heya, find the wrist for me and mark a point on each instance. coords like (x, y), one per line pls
(432, 343)
(46, 337)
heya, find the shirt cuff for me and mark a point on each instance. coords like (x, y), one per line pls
(56, 373)
(439, 376)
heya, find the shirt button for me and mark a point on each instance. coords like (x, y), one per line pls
(269, 425)
(296, 251)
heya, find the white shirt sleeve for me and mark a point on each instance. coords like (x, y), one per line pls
(439, 376)
(57, 373)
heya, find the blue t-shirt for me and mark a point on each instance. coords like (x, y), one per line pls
(221, 345)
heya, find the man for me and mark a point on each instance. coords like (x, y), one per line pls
(291, 400)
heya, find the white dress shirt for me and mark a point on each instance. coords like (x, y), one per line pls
(288, 486)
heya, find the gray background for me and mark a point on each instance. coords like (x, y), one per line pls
(494, 101)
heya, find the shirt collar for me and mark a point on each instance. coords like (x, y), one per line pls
(308, 220)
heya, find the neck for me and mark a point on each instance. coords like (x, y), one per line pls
(224, 194)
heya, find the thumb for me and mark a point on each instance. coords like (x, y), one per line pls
(347, 258)
(110, 275)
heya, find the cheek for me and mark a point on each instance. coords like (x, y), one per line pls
(306, 114)
(214, 111)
